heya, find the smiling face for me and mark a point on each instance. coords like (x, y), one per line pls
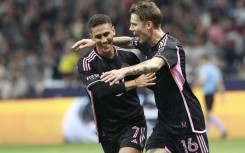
(139, 28)
(102, 35)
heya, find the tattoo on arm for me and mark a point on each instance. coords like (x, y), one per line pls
(142, 68)
(124, 42)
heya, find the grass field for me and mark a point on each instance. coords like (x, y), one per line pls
(216, 146)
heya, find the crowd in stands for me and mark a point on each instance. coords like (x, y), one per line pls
(36, 36)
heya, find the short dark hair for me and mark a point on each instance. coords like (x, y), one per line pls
(147, 11)
(98, 19)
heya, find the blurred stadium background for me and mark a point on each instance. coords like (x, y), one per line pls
(42, 101)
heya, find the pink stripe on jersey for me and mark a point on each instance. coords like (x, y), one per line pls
(202, 143)
(162, 44)
(85, 64)
(180, 80)
(93, 109)
(177, 73)
(93, 53)
(88, 59)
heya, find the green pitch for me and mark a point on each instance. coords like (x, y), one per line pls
(216, 146)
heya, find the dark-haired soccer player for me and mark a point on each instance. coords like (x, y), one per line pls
(118, 115)
(180, 127)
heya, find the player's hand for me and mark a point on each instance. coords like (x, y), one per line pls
(84, 43)
(113, 76)
(145, 80)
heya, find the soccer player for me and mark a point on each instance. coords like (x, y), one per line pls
(211, 81)
(118, 115)
(180, 127)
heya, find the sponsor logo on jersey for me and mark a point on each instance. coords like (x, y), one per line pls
(91, 77)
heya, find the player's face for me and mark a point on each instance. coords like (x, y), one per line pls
(103, 37)
(139, 28)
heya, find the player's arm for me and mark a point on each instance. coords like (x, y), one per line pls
(102, 89)
(148, 66)
(82, 44)
(91, 79)
(123, 41)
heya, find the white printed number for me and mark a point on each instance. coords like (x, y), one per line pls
(192, 146)
(139, 131)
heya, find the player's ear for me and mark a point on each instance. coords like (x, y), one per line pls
(113, 30)
(91, 36)
(90, 33)
(149, 25)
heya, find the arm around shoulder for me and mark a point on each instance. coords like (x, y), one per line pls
(82, 44)
(148, 66)
(124, 42)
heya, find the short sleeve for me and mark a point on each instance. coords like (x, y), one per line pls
(88, 76)
(169, 55)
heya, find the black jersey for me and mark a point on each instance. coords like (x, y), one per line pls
(179, 111)
(113, 107)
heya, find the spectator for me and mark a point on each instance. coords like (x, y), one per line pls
(38, 26)
(67, 66)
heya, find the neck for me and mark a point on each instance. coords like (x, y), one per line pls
(107, 54)
(156, 35)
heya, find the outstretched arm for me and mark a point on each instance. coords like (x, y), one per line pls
(82, 44)
(142, 81)
(148, 66)
(123, 41)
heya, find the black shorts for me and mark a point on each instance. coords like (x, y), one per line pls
(209, 100)
(187, 143)
(132, 136)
